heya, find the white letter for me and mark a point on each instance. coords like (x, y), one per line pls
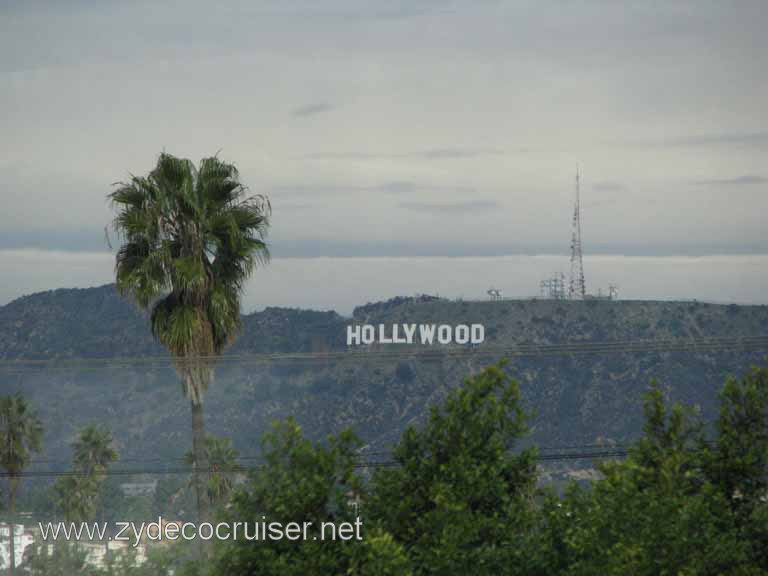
(410, 330)
(444, 334)
(151, 525)
(462, 334)
(369, 334)
(382, 337)
(322, 529)
(123, 527)
(478, 333)
(138, 534)
(353, 333)
(171, 531)
(184, 534)
(427, 332)
(200, 531)
(219, 526)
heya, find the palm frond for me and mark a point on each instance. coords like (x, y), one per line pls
(192, 237)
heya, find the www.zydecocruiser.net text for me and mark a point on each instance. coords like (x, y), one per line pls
(162, 530)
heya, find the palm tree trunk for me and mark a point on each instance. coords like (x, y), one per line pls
(12, 525)
(200, 471)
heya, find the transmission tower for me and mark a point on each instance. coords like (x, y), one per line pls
(577, 288)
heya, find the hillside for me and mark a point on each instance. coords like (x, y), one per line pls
(576, 399)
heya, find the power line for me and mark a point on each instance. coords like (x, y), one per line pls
(190, 470)
(421, 353)
(581, 452)
(364, 453)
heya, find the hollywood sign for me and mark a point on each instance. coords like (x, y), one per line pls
(363, 334)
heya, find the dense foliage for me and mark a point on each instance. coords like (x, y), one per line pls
(460, 501)
(459, 498)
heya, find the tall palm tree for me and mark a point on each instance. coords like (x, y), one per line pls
(20, 435)
(93, 451)
(76, 497)
(192, 236)
(224, 467)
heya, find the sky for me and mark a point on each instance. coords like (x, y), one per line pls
(406, 147)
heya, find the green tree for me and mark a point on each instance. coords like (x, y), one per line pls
(738, 462)
(223, 465)
(76, 497)
(57, 559)
(93, 451)
(299, 482)
(191, 239)
(80, 496)
(378, 555)
(656, 512)
(459, 498)
(20, 436)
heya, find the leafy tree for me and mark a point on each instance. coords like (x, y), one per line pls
(191, 239)
(302, 482)
(378, 555)
(738, 463)
(56, 559)
(459, 496)
(656, 512)
(20, 435)
(162, 560)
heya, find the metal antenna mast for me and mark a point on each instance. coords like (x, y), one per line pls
(577, 288)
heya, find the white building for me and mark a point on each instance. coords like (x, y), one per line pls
(22, 540)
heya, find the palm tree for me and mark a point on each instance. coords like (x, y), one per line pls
(92, 454)
(192, 237)
(222, 460)
(76, 497)
(93, 451)
(20, 435)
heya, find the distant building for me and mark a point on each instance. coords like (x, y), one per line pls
(96, 552)
(22, 539)
(139, 488)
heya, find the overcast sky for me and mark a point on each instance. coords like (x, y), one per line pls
(393, 129)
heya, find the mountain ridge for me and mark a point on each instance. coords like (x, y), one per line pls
(573, 398)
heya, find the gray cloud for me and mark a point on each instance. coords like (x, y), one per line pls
(758, 138)
(312, 109)
(297, 206)
(755, 139)
(398, 187)
(448, 107)
(458, 153)
(447, 153)
(608, 186)
(394, 187)
(437, 207)
(406, 187)
(747, 180)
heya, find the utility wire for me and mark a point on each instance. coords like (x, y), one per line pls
(364, 453)
(609, 452)
(380, 354)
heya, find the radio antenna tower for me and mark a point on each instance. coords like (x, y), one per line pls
(577, 288)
